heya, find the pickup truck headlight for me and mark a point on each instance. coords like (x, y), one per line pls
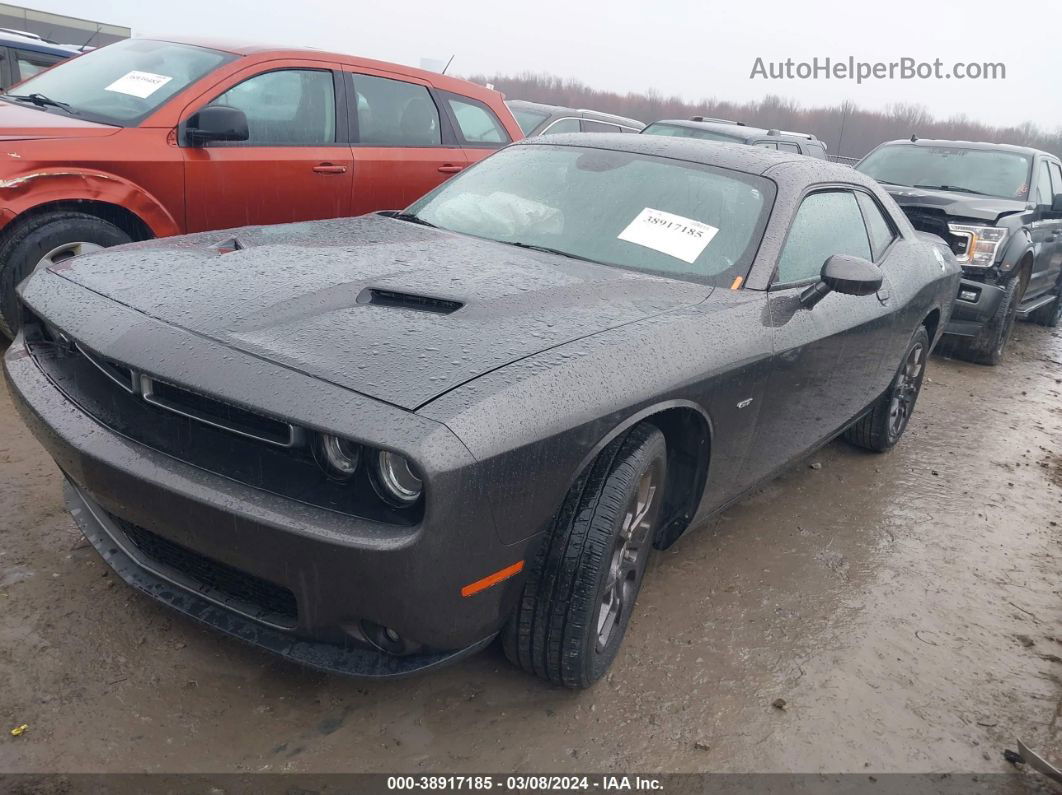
(982, 243)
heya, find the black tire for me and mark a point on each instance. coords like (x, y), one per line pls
(883, 426)
(988, 346)
(27, 241)
(557, 628)
(1050, 315)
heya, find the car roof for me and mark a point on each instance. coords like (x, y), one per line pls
(739, 131)
(15, 38)
(749, 159)
(244, 48)
(561, 110)
(982, 145)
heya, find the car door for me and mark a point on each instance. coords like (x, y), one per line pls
(1046, 230)
(403, 146)
(478, 129)
(827, 359)
(1054, 262)
(295, 164)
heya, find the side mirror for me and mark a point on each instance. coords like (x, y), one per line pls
(1056, 205)
(846, 275)
(216, 123)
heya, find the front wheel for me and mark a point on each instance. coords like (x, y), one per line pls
(45, 240)
(987, 347)
(582, 585)
(883, 426)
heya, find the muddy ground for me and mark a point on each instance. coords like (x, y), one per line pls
(906, 607)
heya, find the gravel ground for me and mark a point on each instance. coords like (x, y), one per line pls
(905, 609)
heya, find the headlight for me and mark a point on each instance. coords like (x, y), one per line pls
(337, 457)
(395, 480)
(982, 243)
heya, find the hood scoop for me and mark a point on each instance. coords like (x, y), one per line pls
(398, 300)
(228, 246)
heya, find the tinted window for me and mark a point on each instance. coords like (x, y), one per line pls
(29, 63)
(1056, 178)
(395, 113)
(816, 150)
(880, 230)
(680, 131)
(528, 119)
(286, 107)
(1044, 193)
(562, 126)
(827, 223)
(124, 82)
(986, 171)
(599, 127)
(477, 123)
(634, 211)
(788, 147)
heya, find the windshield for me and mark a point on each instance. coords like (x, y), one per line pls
(528, 119)
(654, 214)
(123, 82)
(681, 131)
(978, 171)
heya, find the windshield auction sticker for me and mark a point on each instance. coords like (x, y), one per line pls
(678, 237)
(138, 84)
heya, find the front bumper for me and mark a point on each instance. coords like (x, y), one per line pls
(975, 304)
(341, 572)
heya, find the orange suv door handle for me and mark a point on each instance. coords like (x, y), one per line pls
(328, 168)
(449, 169)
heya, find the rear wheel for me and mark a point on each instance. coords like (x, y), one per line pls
(1050, 315)
(883, 426)
(44, 240)
(581, 587)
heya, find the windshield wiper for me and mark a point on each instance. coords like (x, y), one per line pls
(548, 250)
(414, 219)
(956, 188)
(41, 101)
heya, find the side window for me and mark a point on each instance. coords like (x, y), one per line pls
(288, 107)
(827, 223)
(816, 150)
(476, 122)
(562, 126)
(766, 144)
(1056, 178)
(395, 113)
(879, 228)
(785, 146)
(599, 127)
(1043, 185)
(29, 63)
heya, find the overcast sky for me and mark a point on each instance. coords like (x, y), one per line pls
(693, 49)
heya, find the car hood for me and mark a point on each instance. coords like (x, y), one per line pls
(20, 122)
(390, 309)
(955, 204)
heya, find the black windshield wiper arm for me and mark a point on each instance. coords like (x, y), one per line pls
(548, 250)
(956, 188)
(41, 101)
(413, 219)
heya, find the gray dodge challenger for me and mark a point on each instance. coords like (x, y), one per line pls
(373, 445)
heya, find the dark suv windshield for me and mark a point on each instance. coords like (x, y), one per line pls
(654, 214)
(978, 171)
(123, 82)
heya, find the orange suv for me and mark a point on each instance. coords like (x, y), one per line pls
(146, 138)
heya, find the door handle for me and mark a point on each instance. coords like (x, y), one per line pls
(329, 168)
(449, 169)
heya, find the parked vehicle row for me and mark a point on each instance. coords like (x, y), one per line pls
(732, 132)
(536, 118)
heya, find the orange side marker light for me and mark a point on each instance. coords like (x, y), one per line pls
(738, 281)
(492, 579)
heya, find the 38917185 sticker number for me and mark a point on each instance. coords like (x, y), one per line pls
(674, 235)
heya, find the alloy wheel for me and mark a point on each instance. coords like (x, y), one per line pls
(905, 390)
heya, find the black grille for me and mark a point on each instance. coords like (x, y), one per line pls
(242, 591)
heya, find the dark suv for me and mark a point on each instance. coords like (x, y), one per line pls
(736, 132)
(999, 207)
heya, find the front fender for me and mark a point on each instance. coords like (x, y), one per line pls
(23, 192)
(1018, 245)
